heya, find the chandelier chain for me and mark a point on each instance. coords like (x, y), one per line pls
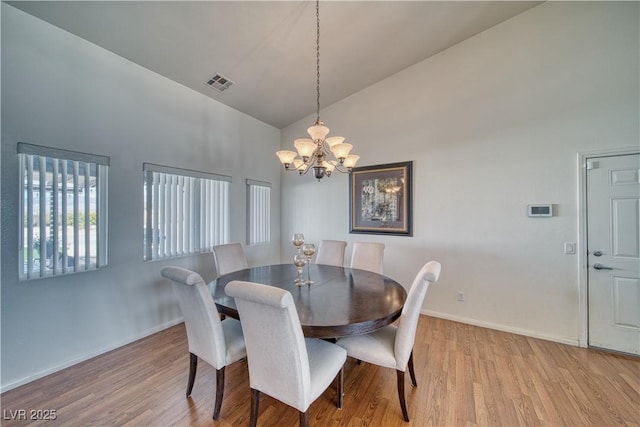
(320, 154)
(317, 60)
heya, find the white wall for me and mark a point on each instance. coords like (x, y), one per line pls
(61, 91)
(492, 124)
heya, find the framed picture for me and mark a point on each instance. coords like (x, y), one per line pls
(380, 199)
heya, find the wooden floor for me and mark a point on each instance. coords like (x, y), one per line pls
(467, 376)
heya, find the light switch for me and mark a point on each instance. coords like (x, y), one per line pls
(569, 248)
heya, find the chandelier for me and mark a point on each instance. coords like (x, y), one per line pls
(323, 155)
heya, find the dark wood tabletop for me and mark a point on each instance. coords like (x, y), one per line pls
(341, 301)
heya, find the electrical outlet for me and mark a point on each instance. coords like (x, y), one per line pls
(460, 296)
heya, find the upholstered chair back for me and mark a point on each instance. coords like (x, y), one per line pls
(331, 252)
(368, 256)
(204, 328)
(270, 324)
(408, 324)
(229, 258)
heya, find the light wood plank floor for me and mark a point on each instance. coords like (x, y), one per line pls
(467, 376)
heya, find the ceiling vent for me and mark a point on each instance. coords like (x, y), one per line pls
(219, 82)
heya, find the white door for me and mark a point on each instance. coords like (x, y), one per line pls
(613, 244)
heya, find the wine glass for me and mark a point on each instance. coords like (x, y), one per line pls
(299, 260)
(297, 240)
(308, 250)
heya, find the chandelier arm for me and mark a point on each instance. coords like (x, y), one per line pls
(293, 169)
(305, 171)
(310, 163)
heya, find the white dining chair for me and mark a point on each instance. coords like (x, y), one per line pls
(282, 363)
(392, 346)
(229, 258)
(219, 343)
(331, 252)
(368, 256)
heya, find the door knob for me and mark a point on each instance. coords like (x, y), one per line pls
(601, 267)
(597, 253)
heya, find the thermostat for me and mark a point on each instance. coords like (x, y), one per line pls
(540, 210)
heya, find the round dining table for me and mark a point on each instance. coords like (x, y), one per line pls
(340, 302)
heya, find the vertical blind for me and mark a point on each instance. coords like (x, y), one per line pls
(258, 212)
(63, 206)
(185, 211)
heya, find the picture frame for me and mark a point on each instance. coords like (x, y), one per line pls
(380, 199)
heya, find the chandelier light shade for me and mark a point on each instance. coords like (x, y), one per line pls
(286, 157)
(321, 154)
(351, 160)
(305, 147)
(331, 141)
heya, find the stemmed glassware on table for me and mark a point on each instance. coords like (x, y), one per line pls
(304, 252)
(308, 250)
(298, 241)
(299, 259)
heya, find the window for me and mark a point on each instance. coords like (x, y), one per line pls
(63, 206)
(185, 212)
(258, 212)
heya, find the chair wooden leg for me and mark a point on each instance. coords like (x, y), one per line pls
(403, 403)
(219, 392)
(255, 402)
(304, 419)
(340, 387)
(411, 371)
(193, 366)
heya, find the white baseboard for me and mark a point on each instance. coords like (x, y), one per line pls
(38, 375)
(503, 328)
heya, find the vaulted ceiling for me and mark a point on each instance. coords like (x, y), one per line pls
(268, 48)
